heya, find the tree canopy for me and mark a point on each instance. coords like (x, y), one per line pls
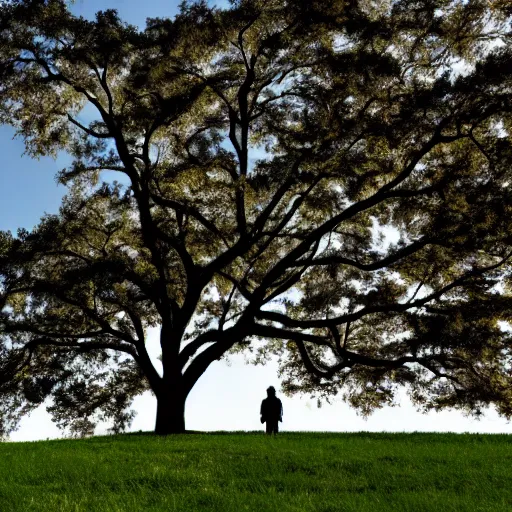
(326, 181)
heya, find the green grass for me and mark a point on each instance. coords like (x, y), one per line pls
(320, 472)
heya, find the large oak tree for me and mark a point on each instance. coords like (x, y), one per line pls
(326, 181)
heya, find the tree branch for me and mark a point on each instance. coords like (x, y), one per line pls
(376, 265)
(89, 131)
(381, 308)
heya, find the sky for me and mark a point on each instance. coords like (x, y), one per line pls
(229, 394)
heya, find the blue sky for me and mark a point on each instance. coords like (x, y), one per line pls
(228, 396)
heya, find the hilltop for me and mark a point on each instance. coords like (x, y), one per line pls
(320, 472)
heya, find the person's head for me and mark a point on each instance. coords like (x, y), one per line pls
(271, 391)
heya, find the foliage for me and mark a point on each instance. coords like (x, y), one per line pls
(327, 181)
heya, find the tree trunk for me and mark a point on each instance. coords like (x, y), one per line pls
(170, 413)
(171, 395)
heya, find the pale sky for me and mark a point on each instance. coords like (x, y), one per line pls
(227, 397)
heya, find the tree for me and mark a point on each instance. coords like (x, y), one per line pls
(325, 181)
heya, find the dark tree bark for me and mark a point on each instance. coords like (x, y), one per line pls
(170, 413)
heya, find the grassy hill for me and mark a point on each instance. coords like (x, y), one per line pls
(320, 472)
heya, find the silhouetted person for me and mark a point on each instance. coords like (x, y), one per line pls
(271, 411)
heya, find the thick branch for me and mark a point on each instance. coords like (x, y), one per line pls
(199, 365)
(192, 211)
(191, 348)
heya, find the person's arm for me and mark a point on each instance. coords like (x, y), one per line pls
(262, 411)
(281, 415)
